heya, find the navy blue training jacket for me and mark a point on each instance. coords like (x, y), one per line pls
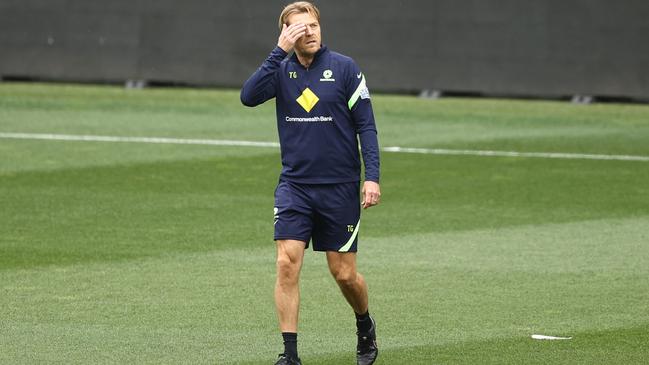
(320, 112)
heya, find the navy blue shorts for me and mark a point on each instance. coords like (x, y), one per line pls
(326, 214)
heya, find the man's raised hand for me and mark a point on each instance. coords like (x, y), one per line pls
(290, 34)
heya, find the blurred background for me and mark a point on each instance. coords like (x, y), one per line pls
(543, 48)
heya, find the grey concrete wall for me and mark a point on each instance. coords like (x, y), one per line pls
(512, 47)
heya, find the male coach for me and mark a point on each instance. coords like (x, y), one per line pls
(323, 109)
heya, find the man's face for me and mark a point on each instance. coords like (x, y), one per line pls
(310, 42)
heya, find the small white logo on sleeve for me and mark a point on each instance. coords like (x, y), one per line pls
(365, 93)
(326, 76)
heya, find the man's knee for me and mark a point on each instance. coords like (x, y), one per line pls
(286, 265)
(288, 270)
(345, 276)
(289, 260)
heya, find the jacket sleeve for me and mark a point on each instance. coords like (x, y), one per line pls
(261, 86)
(360, 107)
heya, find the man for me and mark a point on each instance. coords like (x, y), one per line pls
(323, 109)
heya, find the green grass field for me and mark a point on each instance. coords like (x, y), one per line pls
(139, 253)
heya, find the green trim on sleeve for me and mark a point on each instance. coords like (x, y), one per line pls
(357, 93)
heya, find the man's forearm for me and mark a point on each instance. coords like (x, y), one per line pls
(370, 150)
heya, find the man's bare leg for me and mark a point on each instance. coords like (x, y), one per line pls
(342, 266)
(352, 284)
(290, 254)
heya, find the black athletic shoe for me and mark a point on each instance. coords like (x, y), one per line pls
(366, 350)
(285, 360)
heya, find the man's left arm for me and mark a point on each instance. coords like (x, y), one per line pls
(361, 109)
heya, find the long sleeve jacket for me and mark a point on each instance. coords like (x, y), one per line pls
(322, 113)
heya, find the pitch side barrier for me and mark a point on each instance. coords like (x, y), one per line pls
(543, 48)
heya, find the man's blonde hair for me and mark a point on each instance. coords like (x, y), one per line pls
(298, 7)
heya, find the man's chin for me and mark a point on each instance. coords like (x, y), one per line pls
(309, 50)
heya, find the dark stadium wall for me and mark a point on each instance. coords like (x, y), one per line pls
(499, 47)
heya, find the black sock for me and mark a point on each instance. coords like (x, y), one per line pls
(363, 322)
(290, 344)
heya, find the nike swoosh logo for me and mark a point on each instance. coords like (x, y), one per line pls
(359, 75)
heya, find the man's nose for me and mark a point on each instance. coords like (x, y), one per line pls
(309, 31)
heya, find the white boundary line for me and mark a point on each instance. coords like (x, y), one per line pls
(158, 140)
(572, 156)
(224, 142)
